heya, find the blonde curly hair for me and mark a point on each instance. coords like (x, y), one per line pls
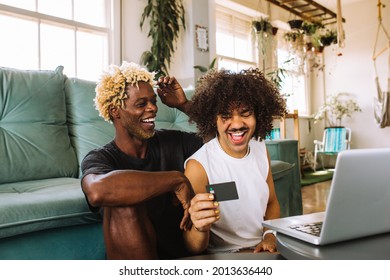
(111, 87)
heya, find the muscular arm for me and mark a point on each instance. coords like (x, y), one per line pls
(130, 187)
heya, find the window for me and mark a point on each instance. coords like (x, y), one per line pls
(233, 40)
(294, 85)
(43, 34)
(237, 50)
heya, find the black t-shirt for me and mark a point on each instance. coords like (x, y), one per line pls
(167, 150)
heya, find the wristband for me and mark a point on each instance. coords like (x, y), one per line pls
(269, 231)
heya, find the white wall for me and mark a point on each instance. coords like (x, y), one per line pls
(353, 72)
(135, 40)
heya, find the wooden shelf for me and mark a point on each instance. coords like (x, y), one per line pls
(308, 10)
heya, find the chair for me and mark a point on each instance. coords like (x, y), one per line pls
(335, 140)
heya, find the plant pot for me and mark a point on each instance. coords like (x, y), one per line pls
(264, 26)
(327, 41)
(257, 26)
(295, 23)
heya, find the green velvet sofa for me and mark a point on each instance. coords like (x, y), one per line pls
(47, 125)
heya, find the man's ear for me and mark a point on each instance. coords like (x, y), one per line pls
(114, 113)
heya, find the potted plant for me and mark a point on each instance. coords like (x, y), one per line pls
(295, 23)
(336, 108)
(310, 28)
(166, 18)
(296, 39)
(262, 25)
(316, 43)
(328, 37)
(262, 34)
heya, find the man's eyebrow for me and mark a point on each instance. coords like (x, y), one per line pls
(143, 98)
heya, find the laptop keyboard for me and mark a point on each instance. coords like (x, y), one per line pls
(312, 228)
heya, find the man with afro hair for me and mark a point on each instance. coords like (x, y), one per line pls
(235, 111)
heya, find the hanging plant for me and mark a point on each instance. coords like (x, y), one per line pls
(328, 38)
(166, 18)
(262, 34)
(296, 39)
(310, 28)
(295, 23)
(263, 25)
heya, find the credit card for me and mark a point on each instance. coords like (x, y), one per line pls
(223, 191)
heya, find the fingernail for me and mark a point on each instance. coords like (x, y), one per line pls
(216, 203)
(218, 217)
(211, 196)
(216, 211)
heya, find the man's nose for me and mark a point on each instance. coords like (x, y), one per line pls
(152, 107)
(236, 121)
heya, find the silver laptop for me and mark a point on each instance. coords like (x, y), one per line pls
(358, 203)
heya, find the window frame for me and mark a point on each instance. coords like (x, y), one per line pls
(111, 32)
(241, 16)
(305, 75)
(272, 64)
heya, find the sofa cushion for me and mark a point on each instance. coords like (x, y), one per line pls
(34, 141)
(42, 204)
(170, 118)
(86, 128)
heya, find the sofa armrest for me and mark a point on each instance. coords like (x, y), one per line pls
(287, 150)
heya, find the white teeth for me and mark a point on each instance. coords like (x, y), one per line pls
(238, 133)
(148, 120)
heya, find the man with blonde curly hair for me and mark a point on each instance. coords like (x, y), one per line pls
(137, 179)
(235, 109)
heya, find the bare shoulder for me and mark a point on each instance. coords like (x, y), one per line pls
(197, 175)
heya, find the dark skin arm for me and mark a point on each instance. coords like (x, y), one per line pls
(171, 94)
(116, 189)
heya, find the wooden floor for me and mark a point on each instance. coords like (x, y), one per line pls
(314, 197)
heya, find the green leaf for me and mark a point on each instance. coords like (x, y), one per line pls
(201, 68)
(166, 17)
(212, 64)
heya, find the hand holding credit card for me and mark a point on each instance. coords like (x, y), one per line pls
(223, 191)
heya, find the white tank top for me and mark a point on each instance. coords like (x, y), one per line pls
(240, 220)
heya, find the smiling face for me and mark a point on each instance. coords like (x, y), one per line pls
(138, 114)
(235, 130)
